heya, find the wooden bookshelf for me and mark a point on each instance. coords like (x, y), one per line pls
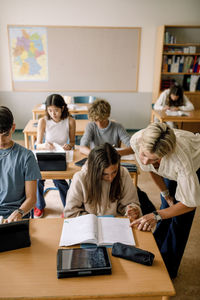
(175, 42)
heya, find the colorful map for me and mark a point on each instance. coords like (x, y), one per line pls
(29, 58)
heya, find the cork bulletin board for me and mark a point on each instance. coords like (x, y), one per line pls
(101, 59)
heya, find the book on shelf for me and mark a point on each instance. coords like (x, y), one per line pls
(96, 230)
(188, 63)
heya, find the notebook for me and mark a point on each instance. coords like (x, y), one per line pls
(52, 161)
(76, 262)
(14, 235)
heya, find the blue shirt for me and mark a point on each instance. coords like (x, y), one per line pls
(17, 165)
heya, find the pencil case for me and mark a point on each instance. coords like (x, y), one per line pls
(132, 253)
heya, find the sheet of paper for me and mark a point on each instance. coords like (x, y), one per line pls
(79, 230)
(112, 230)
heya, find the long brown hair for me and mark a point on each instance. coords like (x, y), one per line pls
(102, 157)
(177, 91)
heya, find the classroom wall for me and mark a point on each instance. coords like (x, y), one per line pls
(131, 109)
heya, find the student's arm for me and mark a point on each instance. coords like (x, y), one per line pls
(72, 131)
(125, 139)
(85, 150)
(125, 151)
(86, 139)
(188, 106)
(28, 204)
(160, 104)
(40, 136)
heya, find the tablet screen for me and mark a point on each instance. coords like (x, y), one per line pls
(83, 258)
(79, 260)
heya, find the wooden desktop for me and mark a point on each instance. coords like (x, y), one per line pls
(72, 169)
(30, 273)
(194, 116)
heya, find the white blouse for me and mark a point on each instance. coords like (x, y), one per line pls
(161, 102)
(57, 132)
(181, 165)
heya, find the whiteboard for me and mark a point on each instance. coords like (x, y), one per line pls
(88, 59)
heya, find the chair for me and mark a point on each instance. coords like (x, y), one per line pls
(83, 99)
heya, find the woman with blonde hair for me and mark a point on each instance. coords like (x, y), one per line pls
(172, 157)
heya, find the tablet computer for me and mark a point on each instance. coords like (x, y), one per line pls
(14, 235)
(76, 262)
(52, 161)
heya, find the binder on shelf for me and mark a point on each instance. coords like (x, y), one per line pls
(181, 64)
(169, 62)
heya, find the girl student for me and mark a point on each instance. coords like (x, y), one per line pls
(102, 187)
(173, 99)
(56, 127)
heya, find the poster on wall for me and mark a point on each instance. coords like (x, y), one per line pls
(28, 52)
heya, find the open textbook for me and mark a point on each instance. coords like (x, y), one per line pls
(96, 230)
(177, 113)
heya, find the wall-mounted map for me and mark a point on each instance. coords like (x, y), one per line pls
(28, 50)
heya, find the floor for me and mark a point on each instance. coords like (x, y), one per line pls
(187, 283)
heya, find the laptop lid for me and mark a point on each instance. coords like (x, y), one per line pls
(52, 161)
(14, 235)
(76, 262)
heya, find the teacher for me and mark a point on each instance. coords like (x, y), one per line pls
(172, 157)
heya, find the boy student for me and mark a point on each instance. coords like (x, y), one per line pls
(19, 173)
(102, 130)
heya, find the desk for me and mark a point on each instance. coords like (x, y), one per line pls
(30, 130)
(194, 116)
(38, 110)
(30, 273)
(72, 169)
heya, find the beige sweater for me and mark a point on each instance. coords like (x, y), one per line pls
(77, 196)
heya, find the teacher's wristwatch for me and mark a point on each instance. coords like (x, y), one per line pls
(157, 216)
(20, 211)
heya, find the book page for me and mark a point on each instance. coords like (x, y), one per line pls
(112, 230)
(176, 113)
(78, 230)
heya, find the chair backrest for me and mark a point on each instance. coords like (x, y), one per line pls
(83, 99)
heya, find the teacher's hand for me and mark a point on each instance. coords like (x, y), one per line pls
(145, 223)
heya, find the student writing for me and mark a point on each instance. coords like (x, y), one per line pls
(102, 187)
(56, 127)
(173, 99)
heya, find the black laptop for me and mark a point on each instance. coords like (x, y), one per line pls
(52, 161)
(76, 262)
